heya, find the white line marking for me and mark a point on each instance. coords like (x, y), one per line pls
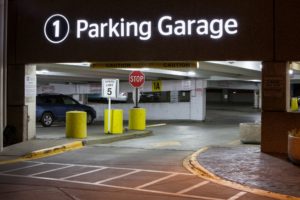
(156, 181)
(83, 173)
(156, 125)
(116, 177)
(20, 168)
(118, 187)
(51, 170)
(193, 187)
(161, 192)
(238, 195)
(144, 170)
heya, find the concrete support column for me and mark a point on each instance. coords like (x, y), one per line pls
(198, 101)
(3, 8)
(275, 103)
(260, 97)
(256, 99)
(16, 108)
(30, 99)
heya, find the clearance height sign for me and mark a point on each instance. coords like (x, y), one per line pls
(134, 30)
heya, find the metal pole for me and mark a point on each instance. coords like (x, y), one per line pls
(108, 115)
(136, 97)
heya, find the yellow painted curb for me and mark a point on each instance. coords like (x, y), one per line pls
(47, 152)
(191, 163)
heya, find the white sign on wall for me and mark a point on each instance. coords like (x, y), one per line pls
(30, 86)
(110, 88)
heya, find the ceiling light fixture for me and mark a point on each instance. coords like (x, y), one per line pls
(191, 73)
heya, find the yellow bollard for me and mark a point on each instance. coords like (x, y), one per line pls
(294, 104)
(137, 119)
(76, 124)
(116, 121)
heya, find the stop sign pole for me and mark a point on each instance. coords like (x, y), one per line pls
(136, 80)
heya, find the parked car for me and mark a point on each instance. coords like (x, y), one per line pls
(53, 107)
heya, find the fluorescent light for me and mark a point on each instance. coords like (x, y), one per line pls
(43, 71)
(291, 72)
(191, 73)
(81, 64)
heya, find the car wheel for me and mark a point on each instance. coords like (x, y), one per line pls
(89, 118)
(47, 119)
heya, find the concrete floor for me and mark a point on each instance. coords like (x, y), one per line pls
(221, 127)
(130, 169)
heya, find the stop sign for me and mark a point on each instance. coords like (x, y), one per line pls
(136, 79)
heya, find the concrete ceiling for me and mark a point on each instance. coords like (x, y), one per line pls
(210, 70)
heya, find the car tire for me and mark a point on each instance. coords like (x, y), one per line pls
(47, 119)
(89, 118)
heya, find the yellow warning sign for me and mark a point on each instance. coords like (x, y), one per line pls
(164, 65)
(156, 86)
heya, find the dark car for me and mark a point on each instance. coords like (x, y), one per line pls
(53, 107)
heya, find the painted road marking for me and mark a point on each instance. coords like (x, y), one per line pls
(192, 187)
(122, 168)
(156, 125)
(237, 196)
(20, 168)
(83, 173)
(116, 177)
(166, 144)
(51, 170)
(156, 181)
(142, 188)
(117, 187)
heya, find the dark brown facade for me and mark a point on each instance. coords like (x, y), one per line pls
(268, 30)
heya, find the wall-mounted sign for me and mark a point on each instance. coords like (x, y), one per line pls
(55, 31)
(30, 86)
(273, 86)
(156, 86)
(148, 65)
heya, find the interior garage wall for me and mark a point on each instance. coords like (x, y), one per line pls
(246, 96)
(155, 111)
(193, 110)
(234, 96)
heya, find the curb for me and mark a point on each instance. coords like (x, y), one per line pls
(191, 163)
(54, 150)
(47, 152)
(51, 151)
(136, 134)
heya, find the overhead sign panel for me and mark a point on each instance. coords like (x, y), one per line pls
(134, 30)
(148, 65)
(57, 28)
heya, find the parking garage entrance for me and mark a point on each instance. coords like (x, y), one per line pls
(154, 31)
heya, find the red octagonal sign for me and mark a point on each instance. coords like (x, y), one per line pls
(136, 79)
